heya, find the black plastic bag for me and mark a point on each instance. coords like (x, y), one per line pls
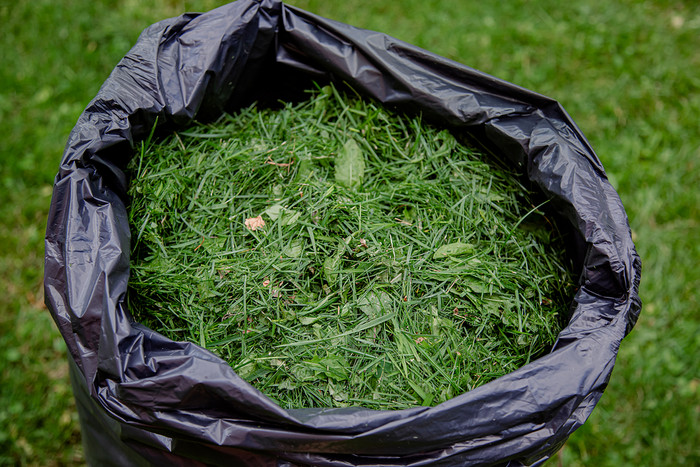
(145, 399)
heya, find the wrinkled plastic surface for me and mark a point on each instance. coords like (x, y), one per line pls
(143, 398)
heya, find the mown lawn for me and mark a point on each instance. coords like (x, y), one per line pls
(627, 71)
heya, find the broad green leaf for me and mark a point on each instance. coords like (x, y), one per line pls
(334, 367)
(350, 165)
(287, 385)
(453, 249)
(303, 372)
(294, 249)
(331, 265)
(308, 320)
(330, 268)
(477, 286)
(338, 395)
(246, 369)
(274, 211)
(375, 303)
(289, 217)
(286, 216)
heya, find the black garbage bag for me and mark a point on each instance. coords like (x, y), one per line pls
(144, 399)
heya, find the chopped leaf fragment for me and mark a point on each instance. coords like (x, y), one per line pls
(453, 249)
(350, 165)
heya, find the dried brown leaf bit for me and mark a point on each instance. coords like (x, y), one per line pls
(254, 223)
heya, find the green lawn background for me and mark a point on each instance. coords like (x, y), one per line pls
(628, 72)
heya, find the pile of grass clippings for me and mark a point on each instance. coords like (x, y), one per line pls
(337, 254)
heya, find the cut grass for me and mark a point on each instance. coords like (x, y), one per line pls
(337, 254)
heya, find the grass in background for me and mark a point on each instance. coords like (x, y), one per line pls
(627, 71)
(55, 56)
